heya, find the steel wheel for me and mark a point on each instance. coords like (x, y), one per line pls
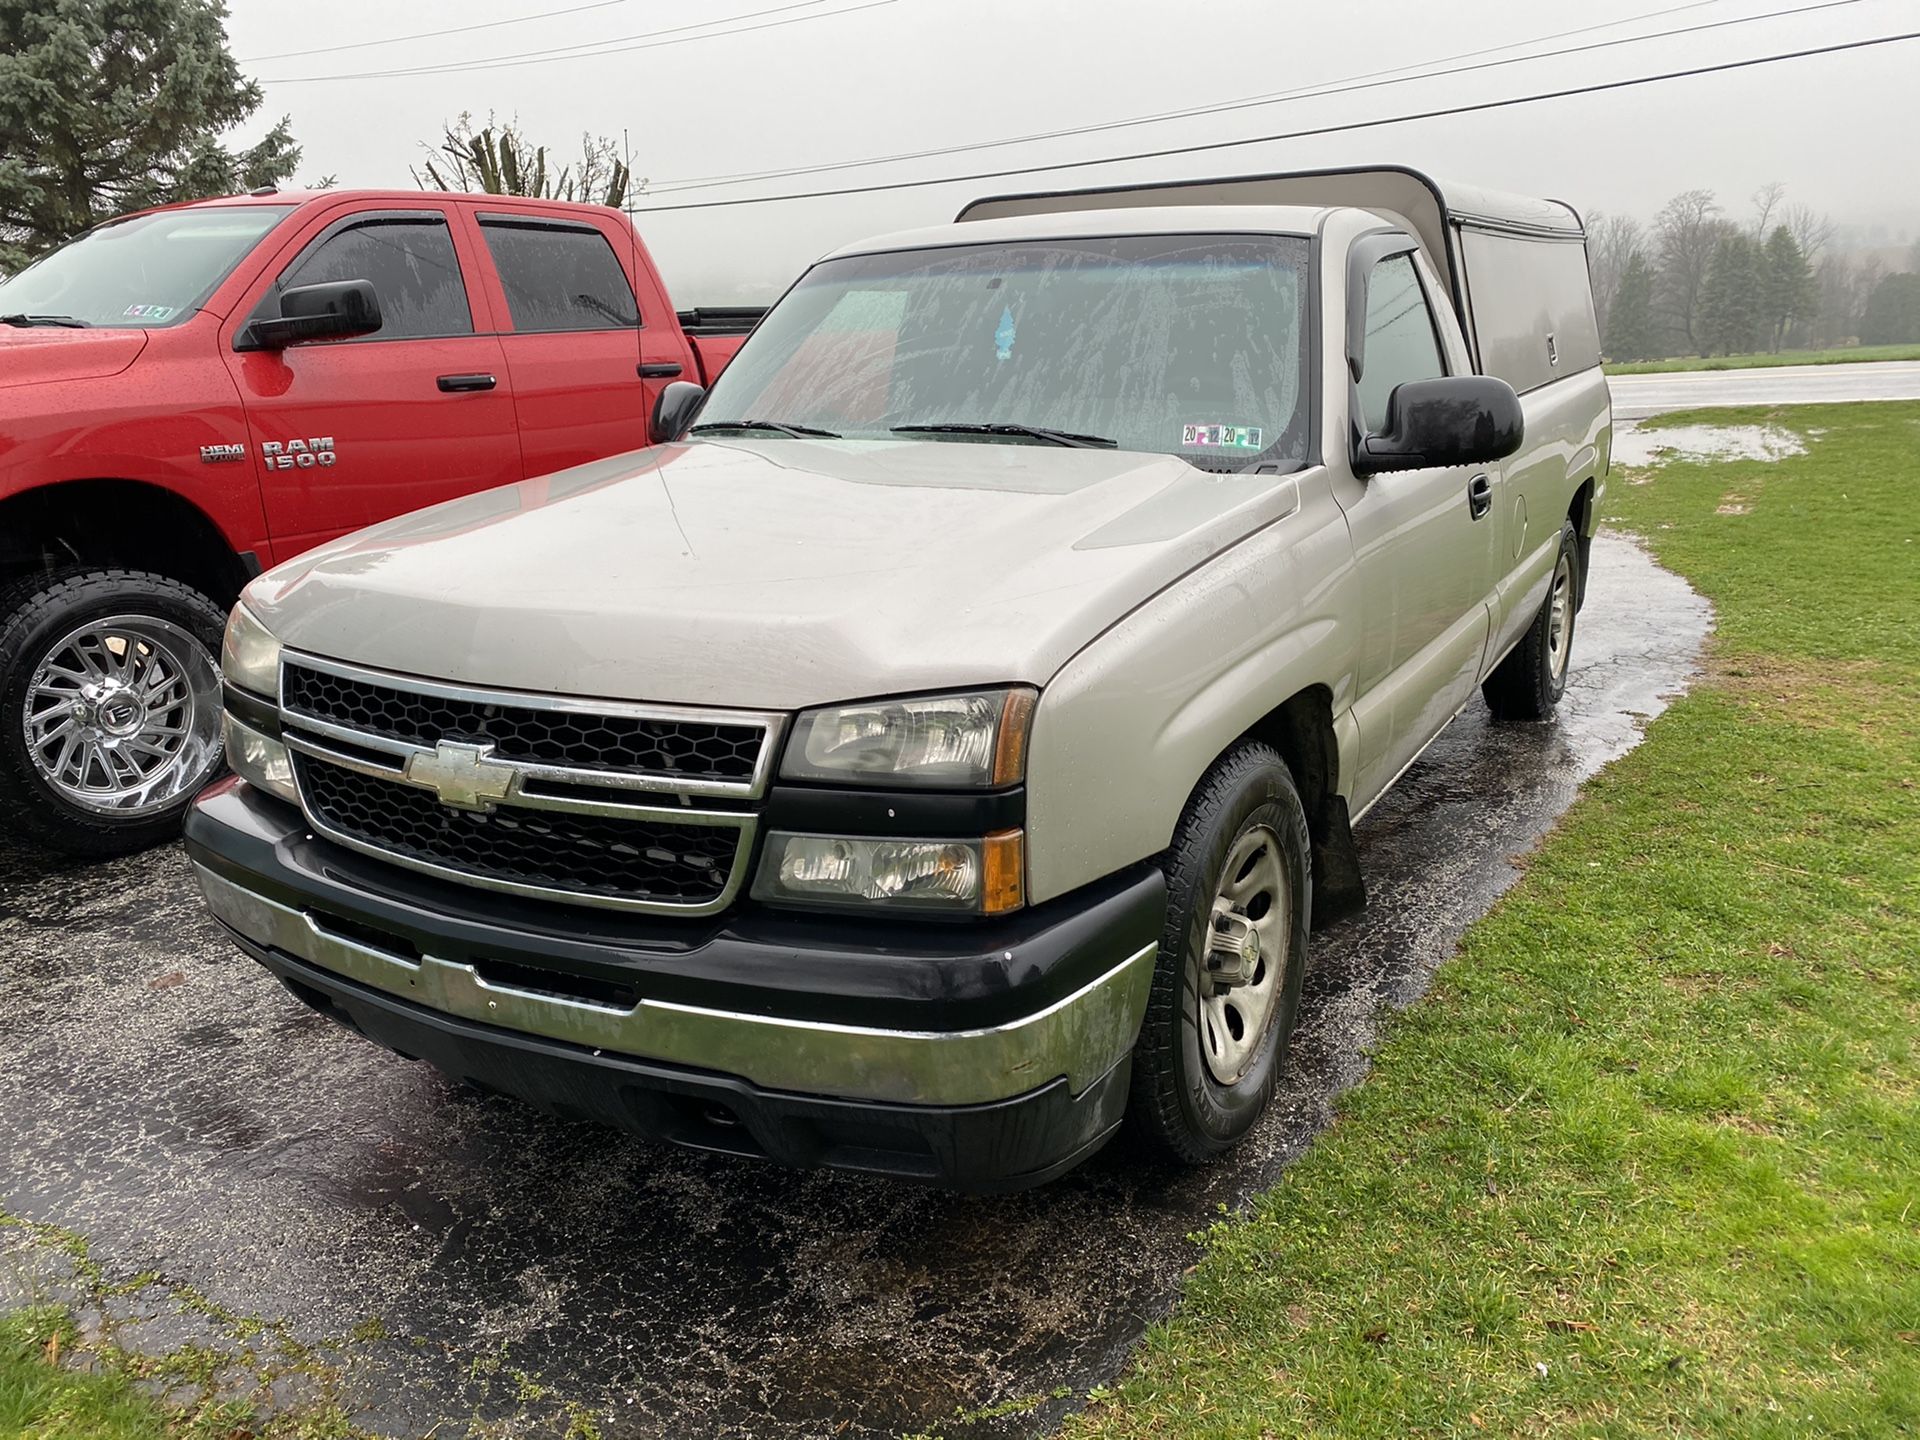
(1560, 619)
(123, 715)
(1245, 965)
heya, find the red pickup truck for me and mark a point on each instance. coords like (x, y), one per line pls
(190, 394)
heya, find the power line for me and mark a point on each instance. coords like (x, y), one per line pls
(700, 182)
(594, 48)
(1349, 85)
(434, 34)
(1476, 108)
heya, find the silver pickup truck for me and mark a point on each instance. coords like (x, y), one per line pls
(942, 746)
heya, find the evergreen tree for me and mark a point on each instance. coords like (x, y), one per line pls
(113, 105)
(1632, 332)
(1732, 305)
(1893, 312)
(1788, 284)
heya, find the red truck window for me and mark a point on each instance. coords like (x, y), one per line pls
(559, 276)
(410, 261)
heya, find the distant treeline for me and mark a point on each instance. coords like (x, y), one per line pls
(1697, 281)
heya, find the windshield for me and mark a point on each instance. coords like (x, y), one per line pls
(142, 273)
(1187, 345)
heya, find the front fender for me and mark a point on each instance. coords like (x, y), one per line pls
(1128, 727)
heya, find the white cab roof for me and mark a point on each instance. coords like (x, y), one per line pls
(1122, 220)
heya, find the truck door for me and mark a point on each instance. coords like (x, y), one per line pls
(1423, 542)
(345, 433)
(578, 339)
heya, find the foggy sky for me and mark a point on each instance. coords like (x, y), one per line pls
(916, 74)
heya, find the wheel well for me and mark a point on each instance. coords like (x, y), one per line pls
(120, 523)
(1301, 729)
(1580, 512)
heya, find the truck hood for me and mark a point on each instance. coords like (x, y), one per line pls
(771, 574)
(48, 352)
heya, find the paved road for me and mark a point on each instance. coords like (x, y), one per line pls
(464, 1260)
(1637, 396)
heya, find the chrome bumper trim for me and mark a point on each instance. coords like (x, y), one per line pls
(1081, 1036)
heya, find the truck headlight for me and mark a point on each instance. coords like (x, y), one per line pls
(249, 655)
(963, 877)
(258, 759)
(947, 742)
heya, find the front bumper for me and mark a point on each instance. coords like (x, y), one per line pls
(987, 1055)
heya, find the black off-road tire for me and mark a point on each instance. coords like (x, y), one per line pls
(34, 614)
(1528, 683)
(1177, 1108)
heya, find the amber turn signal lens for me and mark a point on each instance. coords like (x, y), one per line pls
(1004, 883)
(1010, 746)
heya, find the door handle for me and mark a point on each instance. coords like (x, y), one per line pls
(1479, 496)
(659, 369)
(454, 384)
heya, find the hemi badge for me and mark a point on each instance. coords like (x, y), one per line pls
(221, 454)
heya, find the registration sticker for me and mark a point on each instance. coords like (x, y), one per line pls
(1231, 437)
(151, 312)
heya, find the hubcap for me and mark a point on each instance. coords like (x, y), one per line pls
(1560, 619)
(123, 715)
(1244, 965)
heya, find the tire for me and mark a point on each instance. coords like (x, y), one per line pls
(1530, 681)
(109, 708)
(1192, 1101)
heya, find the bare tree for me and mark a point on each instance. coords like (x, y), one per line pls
(1838, 309)
(499, 160)
(1686, 233)
(1810, 229)
(1765, 201)
(1612, 241)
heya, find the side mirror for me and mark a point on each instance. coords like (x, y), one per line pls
(1456, 420)
(332, 310)
(673, 412)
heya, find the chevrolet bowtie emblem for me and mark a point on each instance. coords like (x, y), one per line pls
(466, 777)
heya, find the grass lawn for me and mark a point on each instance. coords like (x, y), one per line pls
(1851, 355)
(43, 1399)
(1647, 1162)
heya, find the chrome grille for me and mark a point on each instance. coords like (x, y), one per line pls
(589, 802)
(638, 860)
(633, 742)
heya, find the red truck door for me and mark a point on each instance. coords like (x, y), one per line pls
(345, 433)
(587, 358)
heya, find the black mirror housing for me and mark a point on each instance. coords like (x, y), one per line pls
(1455, 420)
(673, 412)
(332, 310)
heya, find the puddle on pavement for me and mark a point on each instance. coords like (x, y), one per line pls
(212, 1130)
(1635, 447)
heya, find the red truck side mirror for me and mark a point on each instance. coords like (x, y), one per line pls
(332, 310)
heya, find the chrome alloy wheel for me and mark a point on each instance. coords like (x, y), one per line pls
(1244, 967)
(1560, 619)
(123, 715)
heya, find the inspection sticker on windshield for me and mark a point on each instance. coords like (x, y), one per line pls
(152, 312)
(1233, 437)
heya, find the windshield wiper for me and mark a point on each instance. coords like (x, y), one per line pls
(1030, 432)
(594, 302)
(798, 432)
(24, 321)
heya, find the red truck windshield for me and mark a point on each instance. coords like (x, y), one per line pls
(149, 271)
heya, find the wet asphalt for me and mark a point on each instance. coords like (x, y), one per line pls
(472, 1264)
